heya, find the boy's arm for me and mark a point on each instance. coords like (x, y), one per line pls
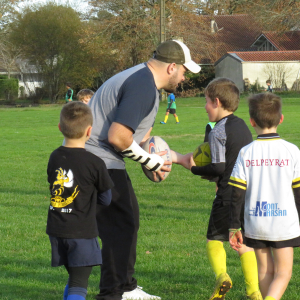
(104, 198)
(297, 199)
(237, 200)
(214, 170)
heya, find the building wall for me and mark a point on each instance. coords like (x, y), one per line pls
(232, 69)
(258, 71)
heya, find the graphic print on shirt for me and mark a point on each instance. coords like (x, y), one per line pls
(265, 209)
(63, 180)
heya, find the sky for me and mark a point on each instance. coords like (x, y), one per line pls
(78, 5)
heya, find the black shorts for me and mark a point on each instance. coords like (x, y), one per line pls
(75, 252)
(219, 221)
(171, 111)
(259, 244)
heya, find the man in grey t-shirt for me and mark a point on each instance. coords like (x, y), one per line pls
(124, 110)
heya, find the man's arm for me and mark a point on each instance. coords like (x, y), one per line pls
(121, 138)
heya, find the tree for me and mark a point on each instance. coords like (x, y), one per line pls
(7, 7)
(50, 39)
(127, 30)
(224, 7)
(278, 73)
(275, 15)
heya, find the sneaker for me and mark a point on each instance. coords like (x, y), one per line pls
(138, 294)
(223, 285)
(255, 296)
(162, 122)
(177, 122)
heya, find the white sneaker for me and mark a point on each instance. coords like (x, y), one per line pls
(138, 294)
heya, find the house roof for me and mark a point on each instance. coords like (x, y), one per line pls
(264, 56)
(236, 31)
(232, 33)
(287, 41)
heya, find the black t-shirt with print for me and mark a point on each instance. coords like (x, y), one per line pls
(75, 176)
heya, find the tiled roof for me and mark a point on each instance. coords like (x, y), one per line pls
(263, 56)
(235, 33)
(284, 42)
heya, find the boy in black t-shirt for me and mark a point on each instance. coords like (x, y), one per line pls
(228, 136)
(78, 180)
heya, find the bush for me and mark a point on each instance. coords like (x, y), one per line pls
(196, 83)
(9, 88)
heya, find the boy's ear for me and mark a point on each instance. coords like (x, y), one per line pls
(281, 119)
(252, 122)
(59, 127)
(217, 102)
(89, 131)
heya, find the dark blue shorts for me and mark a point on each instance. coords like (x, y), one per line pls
(75, 252)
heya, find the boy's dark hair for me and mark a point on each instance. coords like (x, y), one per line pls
(75, 117)
(84, 93)
(265, 109)
(268, 81)
(226, 91)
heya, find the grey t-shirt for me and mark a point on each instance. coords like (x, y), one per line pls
(130, 98)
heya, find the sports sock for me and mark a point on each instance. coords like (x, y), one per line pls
(249, 266)
(75, 297)
(66, 291)
(217, 257)
(166, 118)
(77, 293)
(269, 298)
(177, 120)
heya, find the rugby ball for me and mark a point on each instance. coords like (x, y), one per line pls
(202, 155)
(153, 145)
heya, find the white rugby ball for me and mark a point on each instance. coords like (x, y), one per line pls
(153, 145)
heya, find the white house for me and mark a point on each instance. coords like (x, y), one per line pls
(282, 67)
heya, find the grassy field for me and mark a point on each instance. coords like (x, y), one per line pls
(171, 260)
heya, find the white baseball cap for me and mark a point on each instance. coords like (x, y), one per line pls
(174, 51)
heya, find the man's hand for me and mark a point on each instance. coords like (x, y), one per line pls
(235, 239)
(164, 168)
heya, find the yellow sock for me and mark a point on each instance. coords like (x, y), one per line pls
(249, 266)
(269, 298)
(177, 120)
(217, 257)
(166, 118)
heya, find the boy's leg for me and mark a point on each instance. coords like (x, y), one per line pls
(217, 232)
(265, 269)
(166, 118)
(283, 267)
(249, 267)
(217, 258)
(78, 282)
(176, 118)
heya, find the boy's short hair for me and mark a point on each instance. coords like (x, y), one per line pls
(84, 93)
(226, 91)
(265, 109)
(268, 81)
(75, 117)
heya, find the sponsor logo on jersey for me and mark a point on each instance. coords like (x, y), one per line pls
(267, 162)
(265, 209)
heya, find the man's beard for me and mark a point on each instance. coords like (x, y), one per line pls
(172, 84)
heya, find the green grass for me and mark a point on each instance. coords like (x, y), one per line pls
(171, 259)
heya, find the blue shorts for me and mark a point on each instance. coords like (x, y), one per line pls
(75, 252)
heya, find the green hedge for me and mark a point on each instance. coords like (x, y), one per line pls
(8, 88)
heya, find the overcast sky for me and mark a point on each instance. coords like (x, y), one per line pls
(78, 5)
